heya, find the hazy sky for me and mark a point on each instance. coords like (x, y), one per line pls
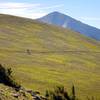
(87, 11)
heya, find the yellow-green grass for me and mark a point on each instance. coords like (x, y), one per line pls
(57, 56)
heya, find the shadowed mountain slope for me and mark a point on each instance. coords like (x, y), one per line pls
(65, 21)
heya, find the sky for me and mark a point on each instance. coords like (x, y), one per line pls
(87, 11)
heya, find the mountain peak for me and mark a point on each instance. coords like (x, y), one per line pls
(62, 20)
(55, 12)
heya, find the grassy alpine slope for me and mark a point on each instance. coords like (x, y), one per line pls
(43, 56)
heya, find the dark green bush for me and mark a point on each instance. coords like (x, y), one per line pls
(60, 93)
(7, 78)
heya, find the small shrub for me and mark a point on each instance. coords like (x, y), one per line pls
(7, 78)
(60, 93)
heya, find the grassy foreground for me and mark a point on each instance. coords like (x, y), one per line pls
(43, 56)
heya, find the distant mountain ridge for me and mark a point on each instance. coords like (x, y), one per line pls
(65, 21)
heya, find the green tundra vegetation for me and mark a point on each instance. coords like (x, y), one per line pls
(43, 56)
(16, 91)
(60, 93)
